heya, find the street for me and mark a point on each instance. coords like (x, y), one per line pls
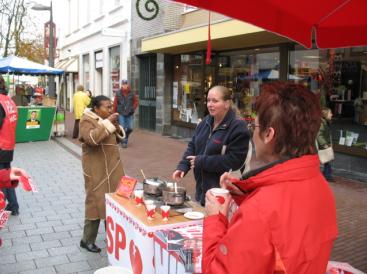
(45, 237)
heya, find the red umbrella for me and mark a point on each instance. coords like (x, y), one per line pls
(336, 23)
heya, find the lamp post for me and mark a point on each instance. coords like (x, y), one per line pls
(51, 57)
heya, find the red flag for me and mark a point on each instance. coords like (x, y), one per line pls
(209, 48)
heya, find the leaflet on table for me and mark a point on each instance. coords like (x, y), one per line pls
(126, 186)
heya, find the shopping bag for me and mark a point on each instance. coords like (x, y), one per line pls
(326, 155)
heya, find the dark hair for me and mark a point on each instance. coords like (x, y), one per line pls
(295, 114)
(97, 101)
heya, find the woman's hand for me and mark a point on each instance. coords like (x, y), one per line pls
(192, 161)
(226, 182)
(178, 175)
(113, 117)
(213, 207)
(16, 173)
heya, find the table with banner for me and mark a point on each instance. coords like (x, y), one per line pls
(34, 123)
(132, 239)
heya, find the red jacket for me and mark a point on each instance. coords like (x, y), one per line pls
(288, 213)
(5, 179)
(124, 92)
(7, 131)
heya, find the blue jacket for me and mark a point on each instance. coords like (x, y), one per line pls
(231, 136)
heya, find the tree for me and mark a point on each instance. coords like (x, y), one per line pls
(13, 13)
(32, 49)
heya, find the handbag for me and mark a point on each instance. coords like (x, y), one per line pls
(326, 155)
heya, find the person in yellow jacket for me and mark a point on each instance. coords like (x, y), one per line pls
(80, 100)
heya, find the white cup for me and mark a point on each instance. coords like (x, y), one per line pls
(150, 211)
(138, 196)
(165, 212)
(221, 194)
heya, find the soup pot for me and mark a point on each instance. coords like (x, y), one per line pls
(153, 186)
(174, 198)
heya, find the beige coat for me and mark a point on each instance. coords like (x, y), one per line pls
(102, 166)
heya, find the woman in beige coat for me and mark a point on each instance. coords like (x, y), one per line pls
(102, 167)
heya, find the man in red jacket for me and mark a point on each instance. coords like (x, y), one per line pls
(286, 220)
(8, 123)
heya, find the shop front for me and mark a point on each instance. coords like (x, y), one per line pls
(337, 76)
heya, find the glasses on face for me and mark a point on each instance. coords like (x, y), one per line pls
(251, 125)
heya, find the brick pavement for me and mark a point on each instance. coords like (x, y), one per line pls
(45, 239)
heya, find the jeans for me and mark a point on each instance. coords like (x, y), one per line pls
(327, 171)
(127, 123)
(9, 193)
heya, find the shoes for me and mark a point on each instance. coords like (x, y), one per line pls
(124, 145)
(15, 212)
(90, 247)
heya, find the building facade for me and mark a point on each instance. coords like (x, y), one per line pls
(94, 47)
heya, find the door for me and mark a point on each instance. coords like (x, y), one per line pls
(147, 92)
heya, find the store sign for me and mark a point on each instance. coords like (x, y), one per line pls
(99, 60)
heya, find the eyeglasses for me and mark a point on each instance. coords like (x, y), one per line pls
(251, 125)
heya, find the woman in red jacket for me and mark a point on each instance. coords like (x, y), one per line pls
(286, 220)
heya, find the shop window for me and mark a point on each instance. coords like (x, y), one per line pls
(243, 72)
(114, 70)
(188, 91)
(86, 71)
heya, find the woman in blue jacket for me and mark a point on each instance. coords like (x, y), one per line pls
(219, 144)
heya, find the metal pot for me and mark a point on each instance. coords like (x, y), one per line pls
(153, 186)
(174, 198)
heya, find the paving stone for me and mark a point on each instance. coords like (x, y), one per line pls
(51, 261)
(32, 220)
(14, 249)
(14, 268)
(66, 227)
(63, 250)
(29, 239)
(48, 270)
(7, 259)
(49, 223)
(45, 245)
(73, 267)
(27, 256)
(96, 263)
(59, 217)
(56, 236)
(71, 241)
(39, 231)
(83, 256)
(6, 243)
(19, 227)
(12, 235)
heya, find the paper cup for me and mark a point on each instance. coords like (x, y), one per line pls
(150, 211)
(221, 194)
(165, 212)
(139, 197)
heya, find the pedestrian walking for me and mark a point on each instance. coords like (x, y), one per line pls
(8, 123)
(324, 140)
(102, 166)
(286, 220)
(220, 143)
(125, 104)
(80, 100)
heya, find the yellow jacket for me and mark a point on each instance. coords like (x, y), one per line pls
(81, 100)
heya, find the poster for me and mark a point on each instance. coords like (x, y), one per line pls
(33, 119)
(175, 95)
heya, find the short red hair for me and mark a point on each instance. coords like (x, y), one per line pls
(295, 114)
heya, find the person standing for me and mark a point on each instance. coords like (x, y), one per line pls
(324, 140)
(8, 123)
(125, 104)
(219, 144)
(102, 166)
(80, 100)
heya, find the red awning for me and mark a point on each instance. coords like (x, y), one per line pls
(337, 23)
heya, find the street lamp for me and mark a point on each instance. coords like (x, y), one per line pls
(51, 57)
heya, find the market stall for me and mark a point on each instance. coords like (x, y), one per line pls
(132, 239)
(34, 122)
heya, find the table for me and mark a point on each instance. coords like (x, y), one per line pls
(130, 234)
